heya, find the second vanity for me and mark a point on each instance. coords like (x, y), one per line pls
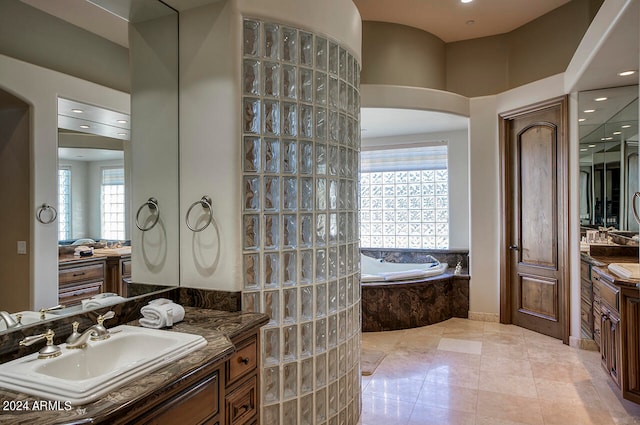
(217, 384)
(611, 316)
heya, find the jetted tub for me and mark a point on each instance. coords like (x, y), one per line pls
(373, 270)
(408, 295)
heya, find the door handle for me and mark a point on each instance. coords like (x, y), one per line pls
(514, 247)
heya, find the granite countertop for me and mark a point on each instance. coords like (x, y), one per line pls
(217, 327)
(600, 263)
(67, 259)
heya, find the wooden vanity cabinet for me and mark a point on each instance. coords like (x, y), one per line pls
(226, 392)
(118, 274)
(242, 379)
(630, 306)
(586, 301)
(79, 280)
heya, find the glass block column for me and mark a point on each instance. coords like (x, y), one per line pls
(300, 160)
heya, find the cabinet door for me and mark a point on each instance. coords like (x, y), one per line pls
(631, 387)
(610, 348)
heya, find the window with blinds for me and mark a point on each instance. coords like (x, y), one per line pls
(404, 197)
(113, 204)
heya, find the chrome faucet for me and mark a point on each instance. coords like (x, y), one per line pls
(48, 351)
(10, 321)
(97, 332)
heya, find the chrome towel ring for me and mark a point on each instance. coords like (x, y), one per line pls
(205, 201)
(52, 211)
(633, 206)
(152, 203)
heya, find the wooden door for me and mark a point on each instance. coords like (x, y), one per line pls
(534, 270)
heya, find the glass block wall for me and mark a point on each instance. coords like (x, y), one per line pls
(300, 160)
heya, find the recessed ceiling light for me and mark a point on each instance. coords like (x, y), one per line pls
(77, 111)
(626, 73)
(471, 22)
(466, 1)
(122, 134)
(592, 146)
(584, 150)
(122, 121)
(608, 138)
(600, 99)
(84, 126)
(582, 119)
(588, 111)
(617, 132)
(626, 126)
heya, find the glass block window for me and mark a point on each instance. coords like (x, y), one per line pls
(404, 198)
(64, 204)
(112, 204)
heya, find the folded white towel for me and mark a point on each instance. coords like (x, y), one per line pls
(101, 300)
(160, 315)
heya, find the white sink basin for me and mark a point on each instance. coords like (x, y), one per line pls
(81, 376)
(28, 317)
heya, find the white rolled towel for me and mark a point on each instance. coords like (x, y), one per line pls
(108, 298)
(159, 314)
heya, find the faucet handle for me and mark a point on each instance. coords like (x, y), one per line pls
(108, 315)
(19, 319)
(45, 310)
(48, 351)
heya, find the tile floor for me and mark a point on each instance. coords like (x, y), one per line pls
(479, 373)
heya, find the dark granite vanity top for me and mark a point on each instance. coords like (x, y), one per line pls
(217, 327)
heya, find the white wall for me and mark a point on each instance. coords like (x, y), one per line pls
(458, 165)
(40, 88)
(210, 114)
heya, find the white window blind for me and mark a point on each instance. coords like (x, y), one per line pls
(427, 156)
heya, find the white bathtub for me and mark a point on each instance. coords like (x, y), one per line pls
(372, 270)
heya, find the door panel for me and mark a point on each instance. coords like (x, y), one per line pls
(539, 297)
(538, 204)
(534, 273)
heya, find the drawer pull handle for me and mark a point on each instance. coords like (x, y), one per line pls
(79, 274)
(244, 360)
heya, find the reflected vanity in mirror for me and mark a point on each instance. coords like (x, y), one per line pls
(148, 36)
(608, 131)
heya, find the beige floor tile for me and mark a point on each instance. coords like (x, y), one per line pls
(560, 413)
(569, 392)
(565, 372)
(519, 378)
(505, 366)
(509, 407)
(402, 389)
(448, 397)
(379, 410)
(428, 415)
(457, 376)
(508, 384)
(460, 345)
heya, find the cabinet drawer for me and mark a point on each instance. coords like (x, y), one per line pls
(243, 361)
(75, 294)
(81, 274)
(585, 270)
(197, 405)
(241, 403)
(126, 268)
(610, 295)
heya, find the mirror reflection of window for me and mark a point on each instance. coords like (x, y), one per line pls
(64, 203)
(112, 204)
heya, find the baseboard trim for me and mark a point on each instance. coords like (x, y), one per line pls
(583, 343)
(484, 317)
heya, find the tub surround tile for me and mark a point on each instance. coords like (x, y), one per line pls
(449, 256)
(411, 304)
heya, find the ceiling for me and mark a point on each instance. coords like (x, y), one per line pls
(451, 20)
(447, 19)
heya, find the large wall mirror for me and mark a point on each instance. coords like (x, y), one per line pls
(138, 40)
(608, 126)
